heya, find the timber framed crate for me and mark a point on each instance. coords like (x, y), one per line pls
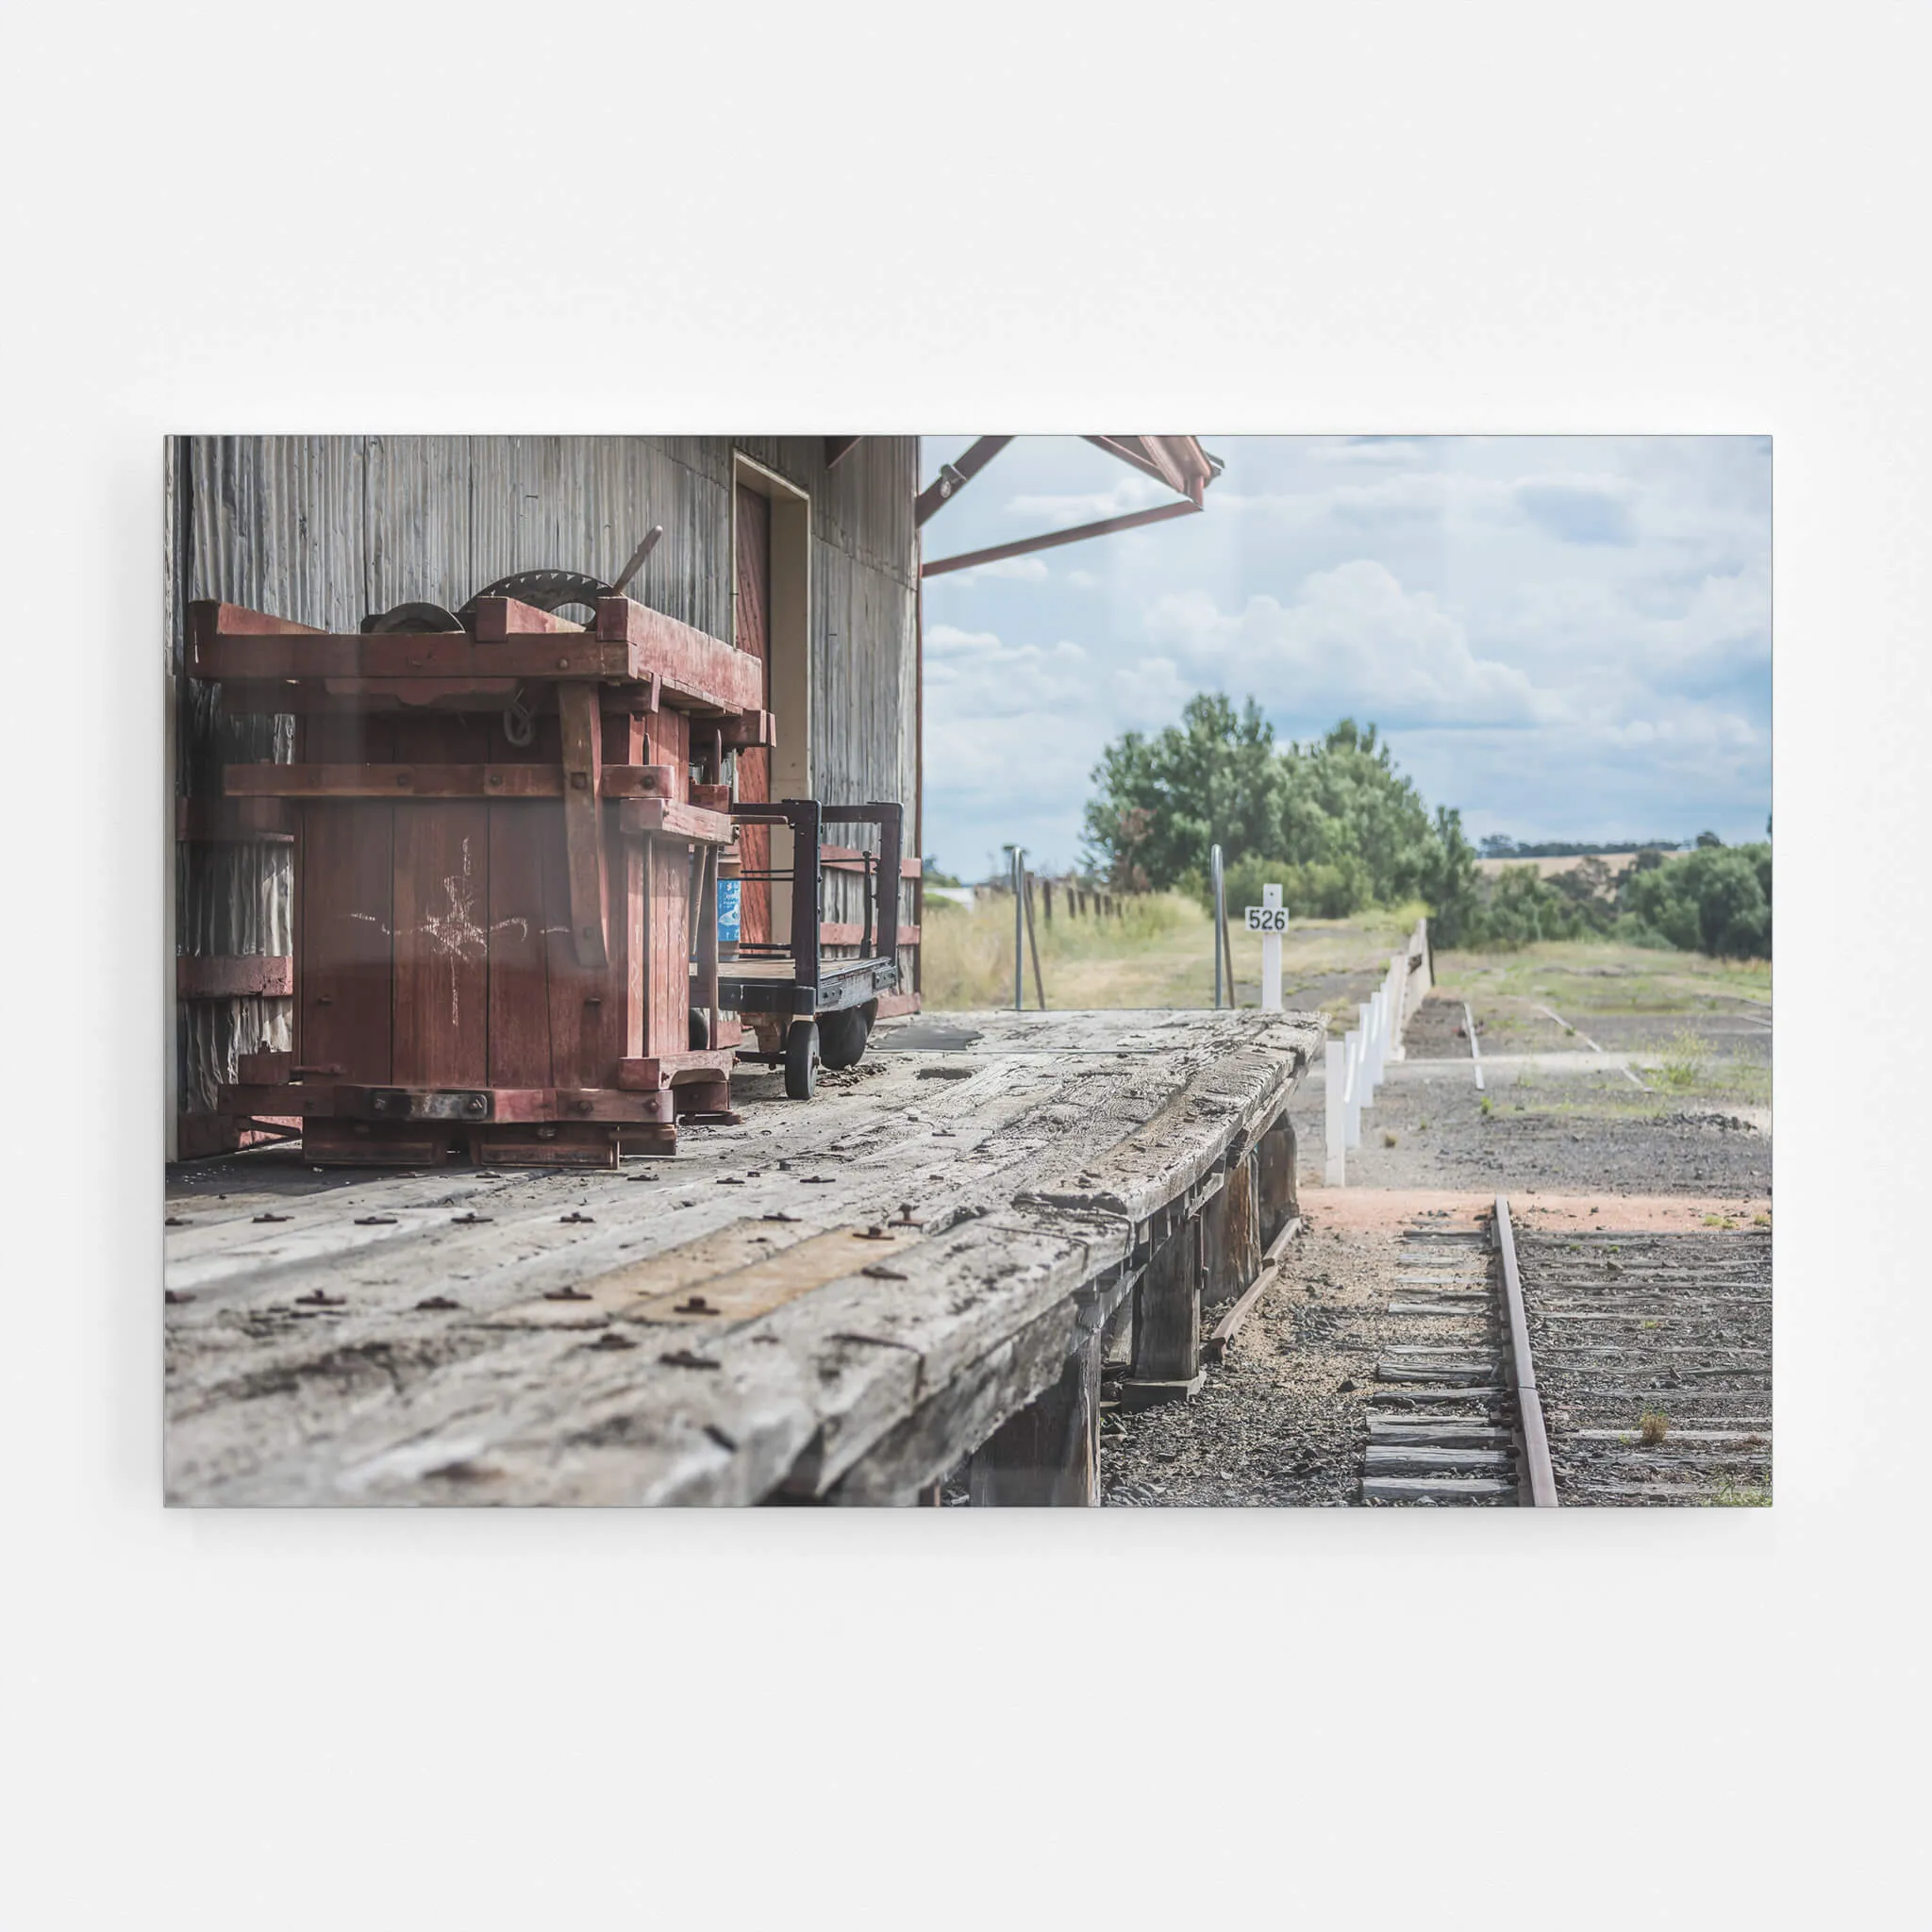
(503, 871)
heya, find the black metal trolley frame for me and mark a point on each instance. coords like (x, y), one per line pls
(830, 1005)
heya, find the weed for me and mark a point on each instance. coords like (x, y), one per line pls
(1388, 1138)
(1721, 1221)
(1760, 1221)
(1684, 1056)
(1487, 1106)
(1653, 1425)
(1742, 1496)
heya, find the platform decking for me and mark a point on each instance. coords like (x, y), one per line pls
(834, 1300)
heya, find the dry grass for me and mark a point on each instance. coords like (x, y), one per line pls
(1158, 952)
(1653, 1425)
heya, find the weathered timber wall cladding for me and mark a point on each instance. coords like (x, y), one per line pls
(325, 529)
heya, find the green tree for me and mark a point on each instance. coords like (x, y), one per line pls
(1333, 821)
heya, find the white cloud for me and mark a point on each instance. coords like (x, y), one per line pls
(1060, 511)
(1012, 570)
(1352, 639)
(1565, 635)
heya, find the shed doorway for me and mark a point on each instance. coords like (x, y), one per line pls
(771, 619)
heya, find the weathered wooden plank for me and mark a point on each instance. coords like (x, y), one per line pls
(518, 977)
(345, 931)
(1438, 1488)
(583, 826)
(693, 665)
(1277, 1201)
(368, 1399)
(1167, 1308)
(234, 975)
(1046, 1455)
(441, 890)
(1411, 1458)
(492, 781)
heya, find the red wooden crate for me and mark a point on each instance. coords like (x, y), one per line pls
(493, 942)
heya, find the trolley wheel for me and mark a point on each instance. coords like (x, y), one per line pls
(841, 1037)
(801, 1059)
(700, 1033)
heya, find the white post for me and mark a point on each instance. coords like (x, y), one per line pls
(1398, 978)
(1335, 1111)
(1372, 1047)
(1352, 1057)
(1270, 956)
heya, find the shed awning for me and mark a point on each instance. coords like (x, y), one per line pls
(1178, 461)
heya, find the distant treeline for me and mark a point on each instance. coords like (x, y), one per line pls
(1339, 828)
(1500, 845)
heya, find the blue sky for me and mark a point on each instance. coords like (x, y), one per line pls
(1567, 637)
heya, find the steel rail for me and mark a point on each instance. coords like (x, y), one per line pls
(1529, 1407)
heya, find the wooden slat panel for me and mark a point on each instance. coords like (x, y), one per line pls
(576, 991)
(583, 826)
(343, 931)
(441, 900)
(519, 1029)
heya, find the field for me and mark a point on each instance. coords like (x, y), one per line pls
(1158, 952)
(1694, 1030)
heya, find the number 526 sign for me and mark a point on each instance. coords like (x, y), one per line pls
(1266, 919)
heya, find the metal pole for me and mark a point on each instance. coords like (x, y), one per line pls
(1219, 915)
(1019, 930)
(1033, 941)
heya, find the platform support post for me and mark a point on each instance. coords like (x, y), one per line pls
(1167, 1315)
(1046, 1454)
(1275, 1180)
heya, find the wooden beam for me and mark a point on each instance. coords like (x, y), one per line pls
(667, 818)
(632, 645)
(1147, 456)
(1277, 1197)
(1231, 1324)
(1167, 1310)
(1053, 539)
(583, 823)
(436, 781)
(233, 822)
(843, 934)
(498, 618)
(690, 661)
(234, 977)
(1046, 1456)
(968, 467)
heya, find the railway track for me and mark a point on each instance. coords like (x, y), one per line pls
(1543, 1369)
(1653, 1358)
(1453, 1418)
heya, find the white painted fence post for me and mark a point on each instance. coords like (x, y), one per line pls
(1335, 1111)
(1352, 1063)
(1270, 955)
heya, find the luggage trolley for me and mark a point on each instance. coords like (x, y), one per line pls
(803, 1007)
